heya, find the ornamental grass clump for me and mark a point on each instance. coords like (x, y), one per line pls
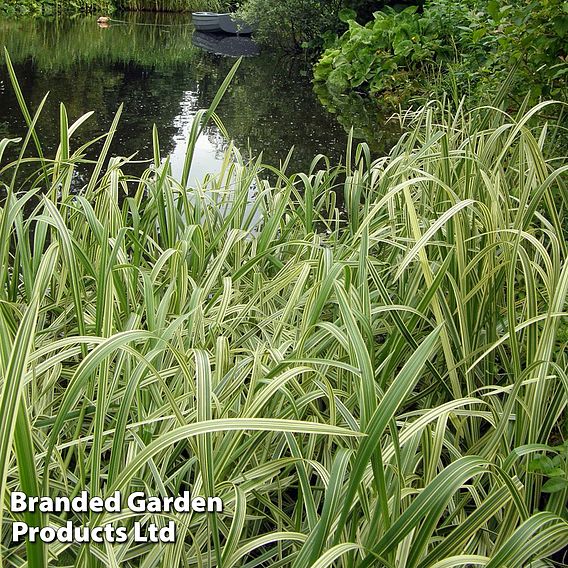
(364, 384)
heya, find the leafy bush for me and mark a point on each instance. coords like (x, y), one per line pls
(531, 35)
(554, 469)
(385, 54)
(290, 23)
(471, 45)
(304, 23)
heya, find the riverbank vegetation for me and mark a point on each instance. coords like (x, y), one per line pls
(13, 8)
(467, 47)
(304, 24)
(53, 7)
(145, 40)
(366, 361)
(171, 5)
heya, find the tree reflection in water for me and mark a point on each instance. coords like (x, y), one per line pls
(162, 78)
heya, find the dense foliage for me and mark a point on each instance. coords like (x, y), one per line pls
(51, 7)
(290, 23)
(148, 40)
(471, 44)
(379, 383)
(171, 5)
(303, 23)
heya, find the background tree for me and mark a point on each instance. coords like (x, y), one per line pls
(306, 23)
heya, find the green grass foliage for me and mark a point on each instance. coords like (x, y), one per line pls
(171, 5)
(52, 7)
(12, 8)
(366, 361)
(148, 40)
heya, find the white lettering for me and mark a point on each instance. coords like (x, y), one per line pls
(138, 536)
(121, 534)
(167, 533)
(113, 503)
(214, 505)
(96, 505)
(136, 502)
(18, 502)
(18, 530)
(198, 504)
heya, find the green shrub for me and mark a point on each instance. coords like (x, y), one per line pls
(308, 24)
(390, 52)
(468, 46)
(531, 35)
(290, 23)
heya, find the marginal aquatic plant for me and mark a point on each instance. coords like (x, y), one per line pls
(172, 5)
(363, 385)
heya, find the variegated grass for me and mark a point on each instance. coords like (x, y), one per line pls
(363, 385)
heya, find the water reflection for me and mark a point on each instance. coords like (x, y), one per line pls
(227, 45)
(148, 63)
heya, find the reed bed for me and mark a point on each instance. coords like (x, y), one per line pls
(49, 45)
(51, 7)
(172, 5)
(364, 385)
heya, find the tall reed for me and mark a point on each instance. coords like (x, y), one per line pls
(51, 7)
(23, 7)
(363, 385)
(172, 5)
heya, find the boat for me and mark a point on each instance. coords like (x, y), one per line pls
(216, 22)
(228, 45)
(206, 21)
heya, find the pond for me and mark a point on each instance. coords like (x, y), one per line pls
(150, 63)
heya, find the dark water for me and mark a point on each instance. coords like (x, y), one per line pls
(151, 65)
